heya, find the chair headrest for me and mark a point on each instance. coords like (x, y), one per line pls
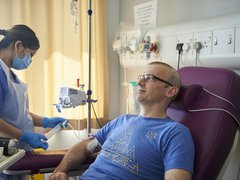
(187, 97)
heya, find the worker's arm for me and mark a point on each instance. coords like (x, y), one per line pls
(74, 158)
(37, 120)
(33, 139)
(8, 130)
(177, 174)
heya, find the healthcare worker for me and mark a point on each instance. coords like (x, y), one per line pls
(17, 47)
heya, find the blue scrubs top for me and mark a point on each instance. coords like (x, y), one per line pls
(14, 102)
(3, 85)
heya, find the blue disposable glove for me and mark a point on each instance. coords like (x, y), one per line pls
(52, 122)
(35, 140)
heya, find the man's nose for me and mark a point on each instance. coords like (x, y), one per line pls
(141, 82)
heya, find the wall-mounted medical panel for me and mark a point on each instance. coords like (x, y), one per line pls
(219, 38)
(223, 41)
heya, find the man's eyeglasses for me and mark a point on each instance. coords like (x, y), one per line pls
(151, 77)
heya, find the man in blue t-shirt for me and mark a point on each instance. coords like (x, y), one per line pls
(146, 146)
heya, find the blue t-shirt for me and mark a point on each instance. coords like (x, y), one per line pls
(135, 147)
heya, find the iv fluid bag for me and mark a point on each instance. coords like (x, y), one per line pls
(132, 103)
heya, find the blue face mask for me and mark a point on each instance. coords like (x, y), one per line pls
(21, 63)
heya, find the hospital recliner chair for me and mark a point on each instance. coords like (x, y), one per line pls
(208, 104)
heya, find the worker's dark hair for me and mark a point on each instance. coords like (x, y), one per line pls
(19, 33)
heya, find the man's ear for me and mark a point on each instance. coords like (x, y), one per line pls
(172, 91)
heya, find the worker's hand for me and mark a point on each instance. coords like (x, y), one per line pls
(51, 122)
(58, 176)
(35, 140)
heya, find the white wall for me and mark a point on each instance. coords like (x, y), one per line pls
(114, 66)
(177, 11)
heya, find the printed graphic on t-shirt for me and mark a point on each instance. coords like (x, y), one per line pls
(151, 135)
(120, 152)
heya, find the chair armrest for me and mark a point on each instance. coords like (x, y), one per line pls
(33, 163)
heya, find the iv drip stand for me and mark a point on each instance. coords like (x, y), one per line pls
(89, 92)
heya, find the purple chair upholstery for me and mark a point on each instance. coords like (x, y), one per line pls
(33, 163)
(213, 128)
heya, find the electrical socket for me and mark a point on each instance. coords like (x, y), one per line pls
(206, 40)
(187, 40)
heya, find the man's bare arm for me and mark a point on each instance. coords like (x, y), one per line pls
(74, 158)
(177, 174)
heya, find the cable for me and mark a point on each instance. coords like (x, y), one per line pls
(78, 137)
(179, 47)
(185, 49)
(96, 116)
(197, 46)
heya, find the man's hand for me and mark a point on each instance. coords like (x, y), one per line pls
(58, 176)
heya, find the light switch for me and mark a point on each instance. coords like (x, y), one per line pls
(237, 42)
(223, 41)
